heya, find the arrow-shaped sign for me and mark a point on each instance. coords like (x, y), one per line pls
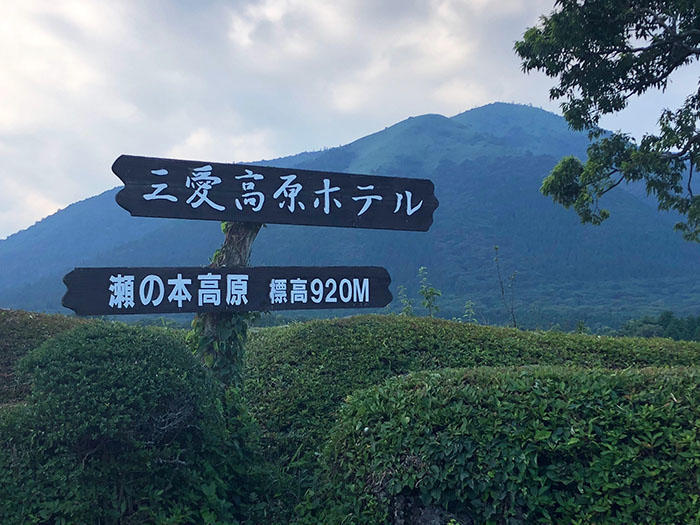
(189, 189)
(114, 291)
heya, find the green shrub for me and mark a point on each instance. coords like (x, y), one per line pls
(507, 446)
(123, 425)
(20, 332)
(298, 375)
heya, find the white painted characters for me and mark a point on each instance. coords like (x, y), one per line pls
(254, 199)
(151, 290)
(278, 291)
(298, 293)
(326, 193)
(122, 291)
(147, 289)
(289, 192)
(209, 292)
(366, 198)
(179, 293)
(345, 290)
(201, 181)
(236, 289)
(158, 189)
(320, 291)
(410, 209)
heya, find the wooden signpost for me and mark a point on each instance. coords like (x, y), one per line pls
(110, 291)
(245, 193)
(245, 196)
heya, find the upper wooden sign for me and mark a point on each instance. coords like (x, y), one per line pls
(187, 189)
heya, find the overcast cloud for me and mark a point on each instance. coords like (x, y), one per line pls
(84, 82)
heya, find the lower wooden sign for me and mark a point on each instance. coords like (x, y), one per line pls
(110, 291)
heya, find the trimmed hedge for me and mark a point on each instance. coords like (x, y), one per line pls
(21, 332)
(298, 375)
(123, 425)
(507, 446)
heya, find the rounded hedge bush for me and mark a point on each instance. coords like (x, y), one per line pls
(524, 445)
(298, 375)
(122, 425)
(21, 332)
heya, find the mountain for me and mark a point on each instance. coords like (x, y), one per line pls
(487, 165)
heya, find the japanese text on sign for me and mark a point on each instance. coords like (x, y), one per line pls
(172, 290)
(235, 192)
(286, 195)
(151, 290)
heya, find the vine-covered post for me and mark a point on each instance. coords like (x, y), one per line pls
(220, 337)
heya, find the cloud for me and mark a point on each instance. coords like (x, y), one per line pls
(204, 144)
(383, 60)
(21, 205)
(232, 80)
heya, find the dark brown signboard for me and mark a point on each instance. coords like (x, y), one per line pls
(113, 291)
(189, 189)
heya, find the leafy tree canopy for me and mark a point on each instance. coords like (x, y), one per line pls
(602, 53)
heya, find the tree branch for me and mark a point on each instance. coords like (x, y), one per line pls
(695, 139)
(661, 77)
(614, 185)
(690, 178)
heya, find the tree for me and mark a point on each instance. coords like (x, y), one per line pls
(602, 53)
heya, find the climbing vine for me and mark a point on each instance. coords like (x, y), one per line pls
(218, 338)
(222, 349)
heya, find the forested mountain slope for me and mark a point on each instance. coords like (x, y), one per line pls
(487, 165)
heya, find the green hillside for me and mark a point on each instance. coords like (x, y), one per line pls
(487, 165)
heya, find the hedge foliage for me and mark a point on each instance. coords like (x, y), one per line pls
(123, 425)
(85, 446)
(517, 445)
(298, 375)
(20, 332)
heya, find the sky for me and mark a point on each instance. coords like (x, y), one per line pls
(235, 81)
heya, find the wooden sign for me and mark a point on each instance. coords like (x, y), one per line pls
(110, 291)
(188, 189)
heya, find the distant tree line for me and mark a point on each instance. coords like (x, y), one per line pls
(665, 325)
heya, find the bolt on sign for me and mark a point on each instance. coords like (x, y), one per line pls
(108, 291)
(187, 189)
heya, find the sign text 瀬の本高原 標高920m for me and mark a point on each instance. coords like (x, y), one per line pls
(106, 291)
